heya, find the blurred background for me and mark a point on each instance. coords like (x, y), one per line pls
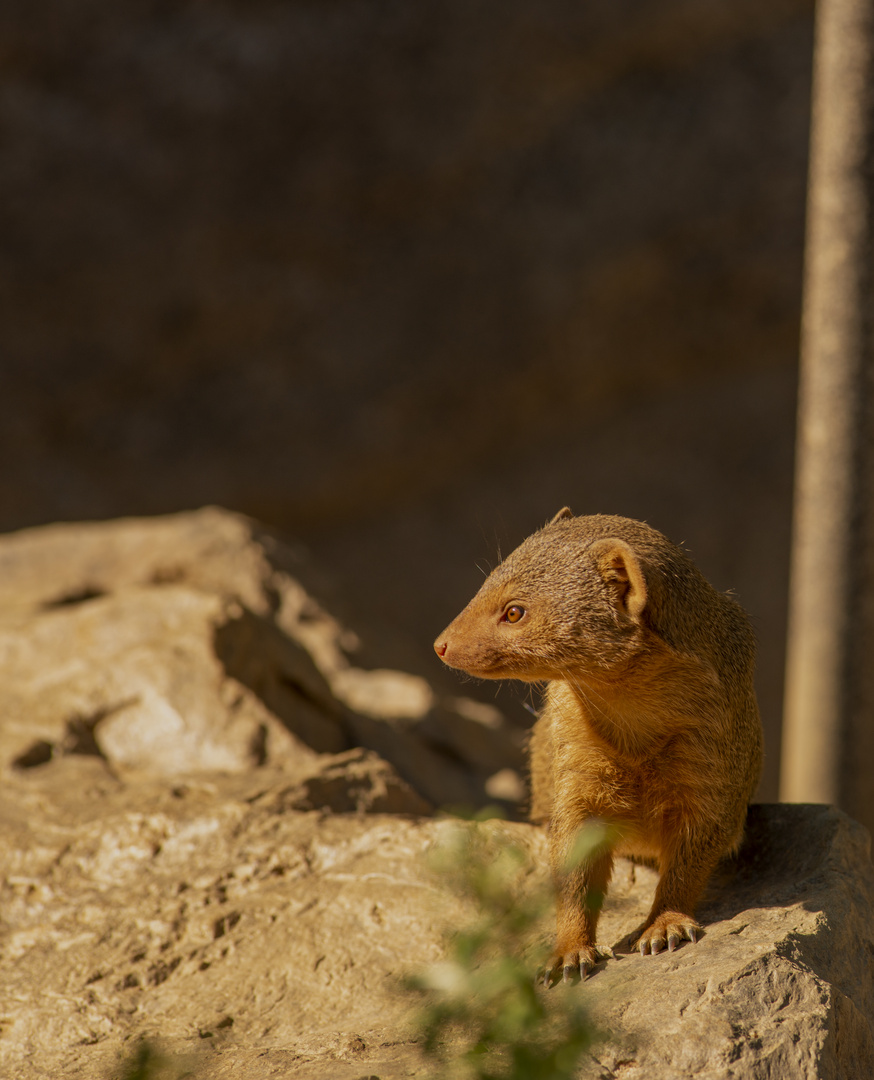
(402, 279)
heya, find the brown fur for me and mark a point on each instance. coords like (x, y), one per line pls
(650, 722)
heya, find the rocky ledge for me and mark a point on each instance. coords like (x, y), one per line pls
(213, 826)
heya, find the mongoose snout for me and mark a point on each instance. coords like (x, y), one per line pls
(650, 721)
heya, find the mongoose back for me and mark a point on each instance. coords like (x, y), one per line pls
(650, 721)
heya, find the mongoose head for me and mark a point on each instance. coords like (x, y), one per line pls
(571, 599)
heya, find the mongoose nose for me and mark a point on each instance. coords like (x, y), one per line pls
(440, 648)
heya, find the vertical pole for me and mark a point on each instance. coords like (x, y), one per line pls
(828, 730)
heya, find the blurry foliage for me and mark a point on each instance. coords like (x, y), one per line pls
(484, 1015)
(148, 1062)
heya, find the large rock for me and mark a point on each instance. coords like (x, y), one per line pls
(259, 939)
(212, 830)
(209, 913)
(191, 642)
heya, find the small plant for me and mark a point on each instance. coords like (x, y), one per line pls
(147, 1062)
(484, 1017)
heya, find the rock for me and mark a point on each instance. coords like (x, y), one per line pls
(475, 733)
(386, 694)
(208, 914)
(507, 786)
(357, 781)
(254, 939)
(781, 984)
(439, 779)
(196, 642)
(418, 733)
(213, 834)
(256, 652)
(132, 676)
(211, 550)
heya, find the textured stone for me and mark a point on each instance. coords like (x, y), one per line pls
(261, 940)
(196, 642)
(357, 781)
(208, 912)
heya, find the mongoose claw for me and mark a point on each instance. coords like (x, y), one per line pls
(571, 970)
(546, 977)
(667, 932)
(656, 944)
(574, 966)
(566, 969)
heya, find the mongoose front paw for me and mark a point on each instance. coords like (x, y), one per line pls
(573, 964)
(668, 930)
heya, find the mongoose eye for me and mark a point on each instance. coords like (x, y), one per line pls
(514, 613)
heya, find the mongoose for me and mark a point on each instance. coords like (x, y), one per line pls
(650, 721)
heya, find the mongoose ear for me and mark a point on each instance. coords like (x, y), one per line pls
(620, 568)
(565, 512)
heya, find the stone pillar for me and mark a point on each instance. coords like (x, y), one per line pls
(828, 735)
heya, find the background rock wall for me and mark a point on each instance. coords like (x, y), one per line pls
(403, 279)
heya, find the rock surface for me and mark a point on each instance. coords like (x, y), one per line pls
(203, 842)
(190, 642)
(259, 939)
